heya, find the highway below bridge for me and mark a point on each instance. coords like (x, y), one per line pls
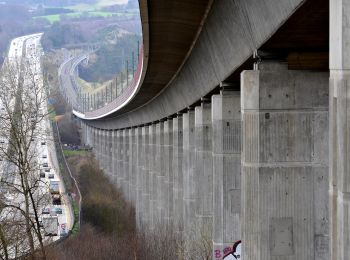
(236, 126)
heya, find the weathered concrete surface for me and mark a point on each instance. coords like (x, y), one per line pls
(226, 141)
(284, 164)
(160, 178)
(114, 158)
(169, 175)
(132, 165)
(138, 173)
(126, 158)
(203, 181)
(120, 176)
(146, 206)
(188, 171)
(339, 152)
(152, 175)
(178, 174)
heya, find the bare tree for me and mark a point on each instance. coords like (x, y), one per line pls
(23, 117)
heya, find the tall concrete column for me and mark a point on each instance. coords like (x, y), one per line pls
(284, 164)
(101, 141)
(204, 172)
(103, 159)
(95, 141)
(110, 154)
(120, 173)
(339, 138)
(145, 178)
(226, 123)
(114, 156)
(126, 155)
(138, 174)
(178, 175)
(93, 144)
(132, 166)
(152, 175)
(87, 134)
(160, 174)
(188, 170)
(98, 146)
(168, 167)
(83, 132)
(86, 127)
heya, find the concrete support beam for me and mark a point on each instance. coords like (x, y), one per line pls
(120, 173)
(168, 167)
(188, 170)
(226, 122)
(102, 142)
(114, 154)
(146, 210)
(98, 146)
(83, 132)
(126, 154)
(92, 140)
(138, 175)
(152, 175)
(110, 155)
(86, 127)
(203, 181)
(132, 166)
(94, 130)
(104, 159)
(160, 174)
(178, 175)
(284, 164)
(339, 138)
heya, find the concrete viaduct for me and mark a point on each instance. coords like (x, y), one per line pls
(237, 126)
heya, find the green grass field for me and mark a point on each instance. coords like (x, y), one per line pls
(97, 6)
(56, 17)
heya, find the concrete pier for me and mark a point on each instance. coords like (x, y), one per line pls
(284, 164)
(203, 181)
(152, 175)
(188, 171)
(178, 175)
(226, 123)
(339, 154)
(132, 165)
(138, 175)
(160, 174)
(120, 174)
(168, 168)
(146, 205)
(114, 157)
(126, 154)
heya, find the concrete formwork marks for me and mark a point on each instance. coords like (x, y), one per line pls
(226, 122)
(284, 165)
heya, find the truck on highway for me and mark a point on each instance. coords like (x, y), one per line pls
(50, 225)
(54, 187)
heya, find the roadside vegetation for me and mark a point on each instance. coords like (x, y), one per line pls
(108, 228)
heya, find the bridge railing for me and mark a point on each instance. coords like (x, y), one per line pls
(116, 93)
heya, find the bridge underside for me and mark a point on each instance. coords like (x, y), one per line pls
(248, 139)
